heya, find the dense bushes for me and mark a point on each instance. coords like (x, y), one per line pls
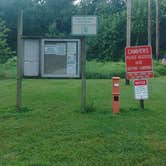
(94, 69)
(5, 51)
(8, 70)
(106, 70)
(110, 42)
(159, 69)
(41, 19)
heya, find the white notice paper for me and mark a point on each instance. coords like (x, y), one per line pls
(141, 92)
(71, 58)
(55, 49)
(71, 48)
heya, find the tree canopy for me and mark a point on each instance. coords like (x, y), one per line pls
(5, 51)
(52, 18)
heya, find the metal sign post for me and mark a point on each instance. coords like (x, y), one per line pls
(142, 104)
(19, 60)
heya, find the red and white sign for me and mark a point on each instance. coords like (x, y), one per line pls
(141, 89)
(139, 62)
(140, 82)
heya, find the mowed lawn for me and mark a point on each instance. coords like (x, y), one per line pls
(51, 130)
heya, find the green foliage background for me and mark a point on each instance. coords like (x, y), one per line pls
(52, 18)
(94, 69)
(5, 51)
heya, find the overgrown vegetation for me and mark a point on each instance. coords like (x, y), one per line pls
(5, 51)
(105, 70)
(94, 69)
(53, 18)
(8, 70)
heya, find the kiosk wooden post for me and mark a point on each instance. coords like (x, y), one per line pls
(19, 60)
(83, 72)
(83, 26)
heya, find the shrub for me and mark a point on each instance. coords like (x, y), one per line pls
(107, 70)
(5, 51)
(11, 62)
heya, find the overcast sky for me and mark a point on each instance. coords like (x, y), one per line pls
(77, 1)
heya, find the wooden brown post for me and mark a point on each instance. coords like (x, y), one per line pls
(83, 71)
(157, 29)
(83, 63)
(19, 60)
(128, 38)
(149, 23)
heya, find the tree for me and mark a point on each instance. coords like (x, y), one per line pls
(9, 13)
(109, 43)
(52, 18)
(5, 52)
(139, 22)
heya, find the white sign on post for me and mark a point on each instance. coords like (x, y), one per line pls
(84, 25)
(141, 89)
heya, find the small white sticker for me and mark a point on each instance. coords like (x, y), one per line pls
(116, 84)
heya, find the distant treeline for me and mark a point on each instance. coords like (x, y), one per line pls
(52, 18)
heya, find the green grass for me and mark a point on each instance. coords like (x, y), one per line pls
(7, 71)
(106, 70)
(94, 69)
(51, 130)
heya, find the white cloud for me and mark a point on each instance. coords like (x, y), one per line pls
(77, 1)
